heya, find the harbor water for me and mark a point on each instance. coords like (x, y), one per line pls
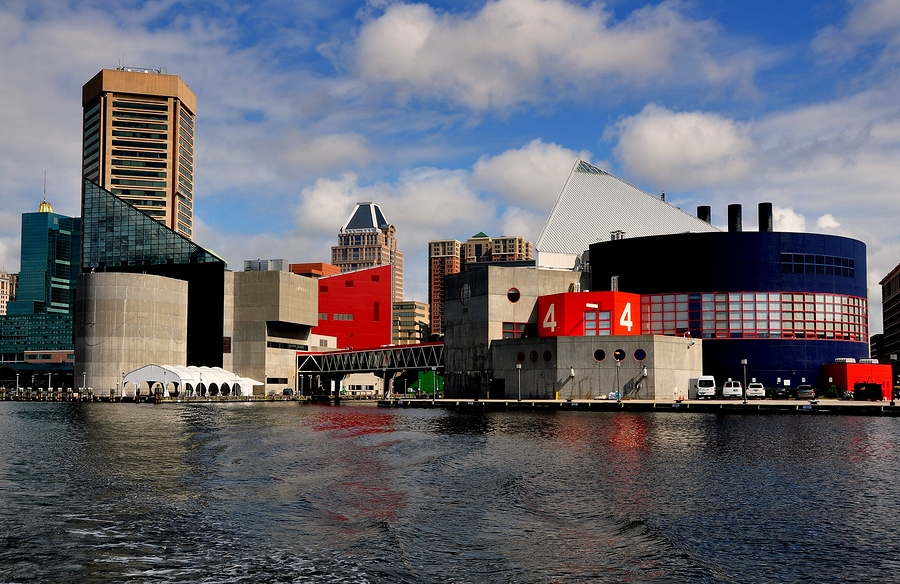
(281, 492)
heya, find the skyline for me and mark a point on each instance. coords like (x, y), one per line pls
(305, 109)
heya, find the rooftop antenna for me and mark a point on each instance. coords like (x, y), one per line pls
(45, 186)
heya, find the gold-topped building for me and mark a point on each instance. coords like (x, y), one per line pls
(139, 141)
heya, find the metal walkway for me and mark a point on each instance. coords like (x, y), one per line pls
(423, 357)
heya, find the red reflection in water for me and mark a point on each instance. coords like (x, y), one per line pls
(351, 422)
(366, 491)
(629, 432)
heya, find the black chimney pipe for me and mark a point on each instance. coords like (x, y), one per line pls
(765, 217)
(704, 213)
(735, 223)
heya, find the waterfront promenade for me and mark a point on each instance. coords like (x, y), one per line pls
(767, 406)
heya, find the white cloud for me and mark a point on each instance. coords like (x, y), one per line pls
(512, 52)
(684, 150)
(827, 221)
(532, 176)
(869, 22)
(786, 219)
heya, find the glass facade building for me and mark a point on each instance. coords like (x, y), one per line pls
(118, 237)
(116, 234)
(40, 318)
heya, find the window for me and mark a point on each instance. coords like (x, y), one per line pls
(514, 330)
(513, 295)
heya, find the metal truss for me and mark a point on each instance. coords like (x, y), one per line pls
(421, 357)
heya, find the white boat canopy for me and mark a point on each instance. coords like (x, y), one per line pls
(177, 380)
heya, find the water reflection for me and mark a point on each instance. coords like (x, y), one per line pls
(277, 492)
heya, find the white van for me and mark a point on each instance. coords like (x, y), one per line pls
(706, 387)
(732, 389)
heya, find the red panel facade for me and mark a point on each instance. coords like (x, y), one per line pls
(846, 375)
(577, 314)
(355, 307)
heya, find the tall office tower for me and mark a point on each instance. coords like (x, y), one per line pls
(444, 257)
(49, 266)
(40, 318)
(139, 142)
(367, 240)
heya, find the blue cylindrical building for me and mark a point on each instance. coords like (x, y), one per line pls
(786, 302)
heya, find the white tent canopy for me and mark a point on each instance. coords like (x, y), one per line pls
(177, 380)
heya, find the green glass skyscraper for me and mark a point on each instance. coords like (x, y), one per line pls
(40, 319)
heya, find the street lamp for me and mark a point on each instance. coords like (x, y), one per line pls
(744, 363)
(519, 370)
(433, 384)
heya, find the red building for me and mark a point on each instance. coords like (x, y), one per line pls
(355, 307)
(577, 314)
(850, 376)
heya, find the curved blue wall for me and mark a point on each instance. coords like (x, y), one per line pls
(743, 262)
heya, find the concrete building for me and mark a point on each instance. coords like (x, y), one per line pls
(121, 238)
(573, 367)
(411, 323)
(138, 127)
(269, 316)
(526, 332)
(126, 321)
(451, 257)
(444, 257)
(367, 240)
(6, 291)
(479, 305)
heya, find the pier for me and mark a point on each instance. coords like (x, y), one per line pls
(768, 406)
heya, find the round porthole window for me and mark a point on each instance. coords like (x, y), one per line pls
(548, 356)
(640, 355)
(619, 354)
(513, 295)
(465, 293)
(534, 356)
(599, 355)
(520, 357)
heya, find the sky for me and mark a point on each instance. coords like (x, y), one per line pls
(467, 116)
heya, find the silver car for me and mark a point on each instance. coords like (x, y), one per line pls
(756, 390)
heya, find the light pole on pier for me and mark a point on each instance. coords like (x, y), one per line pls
(519, 370)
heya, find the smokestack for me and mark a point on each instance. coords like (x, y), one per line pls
(704, 213)
(663, 196)
(765, 217)
(735, 224)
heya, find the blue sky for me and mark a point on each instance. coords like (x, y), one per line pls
(460, 117)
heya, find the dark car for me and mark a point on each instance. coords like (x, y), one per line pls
(780, 392)
(805, 392)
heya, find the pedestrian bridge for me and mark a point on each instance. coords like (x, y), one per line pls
(384, 360)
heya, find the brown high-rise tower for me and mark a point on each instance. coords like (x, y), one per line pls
(138, 129)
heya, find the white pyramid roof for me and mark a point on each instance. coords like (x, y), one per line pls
(593, 204)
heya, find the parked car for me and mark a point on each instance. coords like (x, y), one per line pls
(706, 387)
(756, 389)
(805, 392)
(732, 389)
(780, 392)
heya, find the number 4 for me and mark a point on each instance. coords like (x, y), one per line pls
(550, 318)
(625, 319)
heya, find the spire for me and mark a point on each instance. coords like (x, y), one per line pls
(45, 207)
